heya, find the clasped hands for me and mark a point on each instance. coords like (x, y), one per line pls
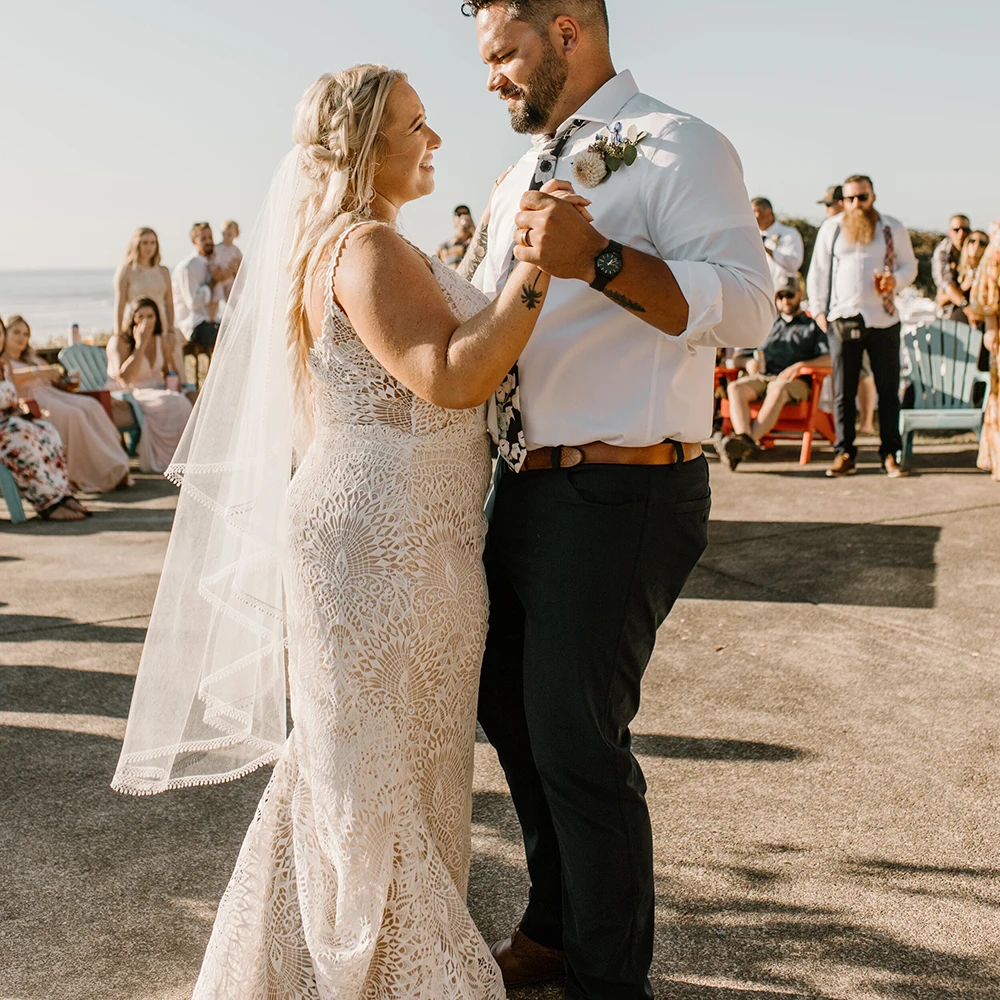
(555, 232)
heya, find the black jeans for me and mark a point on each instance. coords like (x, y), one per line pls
(849, 339)
(583, 566)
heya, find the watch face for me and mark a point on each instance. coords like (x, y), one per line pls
(609, 263)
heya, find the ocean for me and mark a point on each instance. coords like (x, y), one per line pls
(52, 300)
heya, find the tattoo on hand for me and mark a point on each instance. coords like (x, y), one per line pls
(476, 253)
(624, 301)
(530, 296)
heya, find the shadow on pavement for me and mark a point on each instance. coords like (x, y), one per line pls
(867, 565)
(73, 692)
(691, 748)
(20, 628)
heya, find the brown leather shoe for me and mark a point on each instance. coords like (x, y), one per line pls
(524, 963)
(843, 465)
(893, 469)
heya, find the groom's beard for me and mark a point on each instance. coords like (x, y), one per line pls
(533, 110)
(859, 225)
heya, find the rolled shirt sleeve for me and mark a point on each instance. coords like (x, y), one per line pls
(940, 265)
(702, 226)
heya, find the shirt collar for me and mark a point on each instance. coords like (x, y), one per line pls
(606, 104)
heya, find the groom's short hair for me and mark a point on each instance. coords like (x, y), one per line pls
(541, 13)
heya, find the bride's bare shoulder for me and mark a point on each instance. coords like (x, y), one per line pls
(373, 254)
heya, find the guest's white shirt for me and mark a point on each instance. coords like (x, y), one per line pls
(225, 254)
(852, 291)
(787, 252)
(594, 371)
(192, 293)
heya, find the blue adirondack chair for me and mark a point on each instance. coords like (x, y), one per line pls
(11, 496)
(944, 358)
(92, 364)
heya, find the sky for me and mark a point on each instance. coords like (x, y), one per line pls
(116, 114)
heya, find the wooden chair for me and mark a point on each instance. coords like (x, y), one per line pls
(805, 418)
(92, 364)
(944, 360)
(12, 496)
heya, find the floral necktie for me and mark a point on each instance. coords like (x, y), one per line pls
(511, 444)
(889, 298)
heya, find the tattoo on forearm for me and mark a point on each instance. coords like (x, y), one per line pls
(530, 296)
(475, 254)
(624, 301)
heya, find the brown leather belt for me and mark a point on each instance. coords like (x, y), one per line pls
(599, 453)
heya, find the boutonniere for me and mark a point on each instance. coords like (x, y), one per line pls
(607, 154)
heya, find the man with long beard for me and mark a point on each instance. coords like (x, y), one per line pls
(861, 259)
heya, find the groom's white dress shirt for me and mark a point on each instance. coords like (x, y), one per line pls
(594, 371)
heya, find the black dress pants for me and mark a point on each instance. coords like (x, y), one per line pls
(849, 339)
(583, 566)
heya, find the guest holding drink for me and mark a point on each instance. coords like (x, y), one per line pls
(32, 452)
(95, 459)
(142, 276)
(136, 362)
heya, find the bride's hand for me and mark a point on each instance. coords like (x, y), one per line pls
(565, 191)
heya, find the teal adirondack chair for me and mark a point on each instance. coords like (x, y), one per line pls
(92, 364)
(944, 358)
(11, 496)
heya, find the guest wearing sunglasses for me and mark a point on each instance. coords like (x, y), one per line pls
(862, 258)
(985, 298)
(794, 341)
(951, 299)
(973, 251)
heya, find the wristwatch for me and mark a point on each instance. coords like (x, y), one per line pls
(608, 265)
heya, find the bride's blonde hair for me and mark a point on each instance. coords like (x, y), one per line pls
(337, 128)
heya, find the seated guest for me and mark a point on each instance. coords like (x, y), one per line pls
(453, 252)
(32, 452)
(833, 200)
(794, 341)
(95, 460)
(195, 279)
(951, 299)
(228, 256)
(782, 244)
(973, 251)
(136, 363)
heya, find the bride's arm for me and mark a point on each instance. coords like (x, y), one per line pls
(400, 313)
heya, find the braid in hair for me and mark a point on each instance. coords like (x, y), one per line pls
(337, 128)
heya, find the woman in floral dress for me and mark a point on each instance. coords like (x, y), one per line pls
(985, 303)
(32, 452)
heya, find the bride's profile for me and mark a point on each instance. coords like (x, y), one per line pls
(331, 520)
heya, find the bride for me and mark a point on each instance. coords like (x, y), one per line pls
(356, 367)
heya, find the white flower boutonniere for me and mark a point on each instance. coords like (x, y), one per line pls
(607, 155)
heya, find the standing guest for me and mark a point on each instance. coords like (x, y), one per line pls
(195, 279)
(136, 363)
(602, 495)
(32, 452)
(782, 244)
(794, 342)
(142, 276)
(227, 255)
(453, 252)
(986, 304)
(861, 259)
(95, 460)
(951, 300)
(833, 200)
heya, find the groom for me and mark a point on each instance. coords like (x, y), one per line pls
(602, 499)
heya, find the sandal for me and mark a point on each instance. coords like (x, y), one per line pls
(73, 504)
(46, 514)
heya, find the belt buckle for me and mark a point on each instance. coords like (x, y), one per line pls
(566, 457)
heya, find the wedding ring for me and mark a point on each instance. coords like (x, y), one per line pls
(524, 237)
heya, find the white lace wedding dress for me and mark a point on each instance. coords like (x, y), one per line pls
(352, 879)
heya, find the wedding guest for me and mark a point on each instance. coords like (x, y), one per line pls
(453, 252)
(783, 244)
(985, 298)
(227, 255)
(141, 276)
(32, 452)
(973, 251)
(951, 300)
(833, 200)
(195, 279)
(861, 259)
(136, 363)
(95, 460)
(794, 342)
